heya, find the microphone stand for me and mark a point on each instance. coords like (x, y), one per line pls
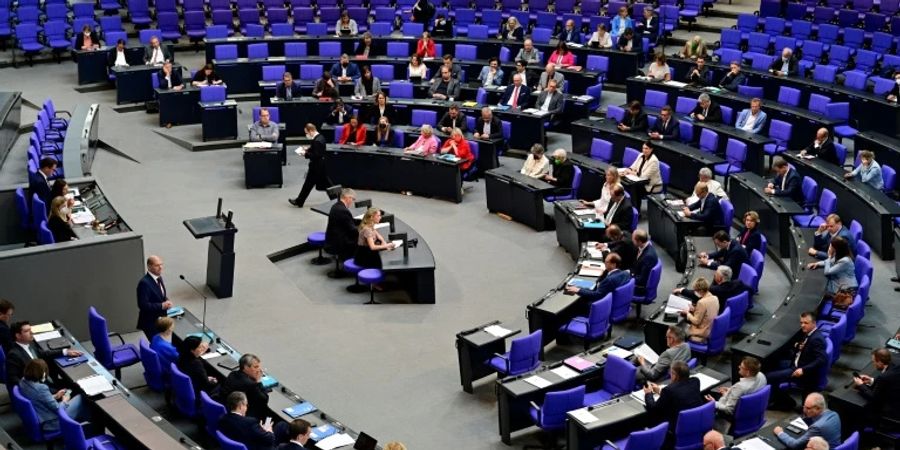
(200, 293)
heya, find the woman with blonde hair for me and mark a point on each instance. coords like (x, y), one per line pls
(394, 445)
(612, 180)
(58, 223)
(370, 241)
(700, 316)
(426, 145)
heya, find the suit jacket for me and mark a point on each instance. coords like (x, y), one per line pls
(649, 31)
(498, 77)
(543, 80)
(149, 298)
(698, 80)
(17, 358)
(257, 397)
(757, 126)
(374, 50)
(79, 40)
(360, 89)
(670, 130)
(779, 63)
(524, 95)
(711, 212)
(281, 91)
(148, 53)
(316, 150)
(713, 113)
(826, 152)
(452, 87)
(637, 122)
(176, 79)
(341, 233)
(731, 82)
(884, 393)
(496, 127)
(822, 241)
(569, 36)
(62, 231)
(680, 352)
(676, 397)
(460, 122)
(637, 43)
(623, 216)
(751, 241)
(792, 187)
(650, 171)
(352, 71)
(556, 102)
(723, 291)
(608, 284)
(626, 250)
(350, 137)
(643, 265)
(6, 337)
(732, 256)
(194, 368)
(291, 446)
(564, 173)
(37, 184)
(812, 356)
(46, 407)
(111, 56)
(247, 431)
(375, 114)
(827, 426)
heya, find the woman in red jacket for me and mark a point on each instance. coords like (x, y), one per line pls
(425, 46)
(562, 57)
(354, 133)
(459, 146)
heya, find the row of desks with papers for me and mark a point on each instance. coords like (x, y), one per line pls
(222, 359)
(621, 64)
(576, 225)
(134, 423)
(746, 193)
(134, 84)
(93, 65)
(92, 214)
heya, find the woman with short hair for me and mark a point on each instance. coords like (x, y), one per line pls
(33, 387)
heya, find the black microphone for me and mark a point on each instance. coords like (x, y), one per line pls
(200, 293)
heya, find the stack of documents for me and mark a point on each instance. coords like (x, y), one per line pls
(799, 423)
(677, 304)
(397, 243)
(498, 331)
(591, 270)
(647, 353)
(640, 396)
(537, 381)
(585, 212)
(578, 363)
(94, 384)
(82, 217)
(584, 416)
(594, 252)
(42, 328)
(677, 84)
(261, 144)
(335, 441)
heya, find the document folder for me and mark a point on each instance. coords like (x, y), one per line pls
(322, 431)
(300, 409)
(66, 361)
(175, 311)
(582, 283)
(268, 382)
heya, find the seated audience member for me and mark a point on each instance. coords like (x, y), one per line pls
(346, 26)
(190, 363)
(621, 22)
(706, 110)
(368, 47)
(384, 134)
(701, 314)
(612, 278)
(832, 228)
(488, 126)
(694, 49)
(444, 87)
(822, 147)
(822, 422)
(528, 53)
(458, 146)
(453, 119)
(649, 25)
(562, 57)
(752, 120)
(600, 38)
(619, 242)
(6, 312)
(367, 85)
(699, 75)
(549, 100)
(528, 78)
(426, 144)
(339, 114)
(644, 262)
(786, 183)
(882, 393)
(659, 69)
(682, 393)
(425, 46)
(749, 236)
(715, 188)
(117, 56)
(786, 66)
(733, 78)
(817, 443)
(751, 381)
(341, 233)
(619, 211)
(450, 65)
(803, 365)
(666, 127)
(645, 167)
(370, 241)
(569, 33)
(61, 189)
(729, 252)
(156, 54)
(382, 108)
(247, 379)
(169, 78)
(611, 181)
(894, 93)
(344, 70)
(46, 404)
(678, 351)
(39, 182)
(868, 171)
(23, 350)
(354, 133)
(628, 42)
(548, 74)
(287, 89)
(517, 94)
(325, 87)
(443, 26)
(240, 426)
(635, 118)
(561, 172)
(706, 209)
(536, 164)
(58, 221)
(512, 30)
(713, 440)
(415, 69)
(299, 432)
(840, 269)
(206, 77)
(87, 39)
(492, 74)
(162, 342)
(264, 130)
(724, 287)
(394, 445)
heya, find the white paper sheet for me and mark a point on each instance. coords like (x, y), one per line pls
(47, 336)
(565, 372)
(94, 384)
(398, 243)
(799, 423)
(335, 441)
(620, 352)
(497, 331)
(677, 304)
(706, 381)
(584, 416)
(585, 212)
(42, 328)
(755, 444)
(649, 355)
(537, 381)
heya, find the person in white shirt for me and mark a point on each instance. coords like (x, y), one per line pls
(751, 381)
(601, 38)
(346, 26)
(155, 54)
(536, 165)
(612, 180)
(715, 188)
(117, 55)
(416, 68)
(752, 120)
(659, 69)
(492, 74)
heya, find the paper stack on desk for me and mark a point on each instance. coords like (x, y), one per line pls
(647, 353)
(755, 444)
(677, 304)
(640, 396)
(584, 416)
(42, 328)
(82, 217)
(565, 372)
(585, 212)
(537, 381)
(47, 336)
(498, 331)
(94, 384)
(620, 352)
(591, 270)
(261, 144)
(799, 423)
(335, 441)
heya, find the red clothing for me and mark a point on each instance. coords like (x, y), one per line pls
(360, 135)
(567, 60)
(425, 50)
(462, 152)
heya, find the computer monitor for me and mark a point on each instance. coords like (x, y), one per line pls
(364, 442)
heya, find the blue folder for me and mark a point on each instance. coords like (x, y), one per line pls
(175, 311)
(66, 361)
(268, 382)
(582, 283)
(299, 409)
(592, 224)
(322, 431)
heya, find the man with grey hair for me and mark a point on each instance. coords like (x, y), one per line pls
(817, 443)
(528, 53)
(238, 426)
(786, 66)
(516, 94)
(548, 74)
(562, 172)
(723, 287)
(715, 188)
(678, 351)
(341, 233)
(247, 379)
(487, 126)
(706, 110)
(821, 422)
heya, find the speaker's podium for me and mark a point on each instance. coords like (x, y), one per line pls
(220, 257)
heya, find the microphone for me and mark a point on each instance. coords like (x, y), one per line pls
(200, 293)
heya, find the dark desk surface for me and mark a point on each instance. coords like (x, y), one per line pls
(7, 442)
(208, 226)
(512, 175)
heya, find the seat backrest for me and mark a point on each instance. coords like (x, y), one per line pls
(226, 51)
(22, 207)
(228, 444)
(557, 404)
(618, 375)
(719, 331)
(750, 412)
(810, 189)
(421, 117)
(735, 152)
(692, 424)
(27, 414)
(629, 156)
(153, 371)
(183, 392)
(789, 95)
(100, 338)
(258, 51)
(598, 317)
(852, 442)
(856, 230)
(827, 203)
(655, 99)
(738, 306)
(748, 275)
(649, 439)
(889, 176)
(622, 296)
(212, 94)
(212, 412)
(272, 73)
(780, 131)
(524, 353)
(601, 149)
(73, 434)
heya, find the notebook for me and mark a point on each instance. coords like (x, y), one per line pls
(322, 431)
(578, 363)
(581, 283)
(299, 409)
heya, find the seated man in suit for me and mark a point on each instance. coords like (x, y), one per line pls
(152, 299)
(344, 70)
(491, 74)
(635, 118)
(733, 78)
(699, 75)
(823, 147)
(751, 381)
(563, 172)
(612, 278)
(752, 120)
(666, 127)
(619, 212)
(706, 209)
(550, 100)
(682, 393)
(341, 233)
(87, 39)
(548, 74)
(247, 380)
(678, 351)
(729, 253)
(488, 126)
(23, 350)
(883, 391)
(169, 78)
(787, 183)
(453, 119)
(786, 66)
(39, 182)
(528, 53)
(325, 87)
(706, 110)
(619, 243)
(715, 188)
(822, 423)
(254, 432)
(299, 432)
(832, 228)
(645, 262)
(444, 87)
(804, 364)
(117, 56)
(450, 65)
(155, 54)
(6, 312)
(569, 33)
(517, 94)
(723, 287)
(287, 89)
(264, 130)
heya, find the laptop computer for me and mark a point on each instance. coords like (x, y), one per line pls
(364, 442)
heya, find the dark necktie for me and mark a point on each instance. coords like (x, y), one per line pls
(162, 287)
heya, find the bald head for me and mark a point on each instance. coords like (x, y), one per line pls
(822, 134)
(155, 265)
(713, 440)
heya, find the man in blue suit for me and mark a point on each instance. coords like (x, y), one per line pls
(645, 262)
(39, 183)
(822, 422)
(752, 120)
(569, 33)
(611, 279)
(787, 183)
(151, 297)
(729, 253)
(808, 358)
(235, 425)
(345, 70)
(832, 228)
(706, 209)
(666, 127)
(517, 94)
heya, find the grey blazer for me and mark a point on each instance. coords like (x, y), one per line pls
(452, 87)
(681, 352)
(360, 90)
(556, 102)
(542, 83)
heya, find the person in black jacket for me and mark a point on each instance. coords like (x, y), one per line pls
(339, 114)
(619, 242)
(649, 25)
(488, 126)
(749, 236)
(39, 183)
(152, 299)
(729, 253)
(58, 223)
(341, 233)
(247, 379)
(87, 39)
(681, 394)
(453, 119)
(191, 364)
(169, 77)
(723, 287)
(635, 119)
(117, 55)
(299, 432)
(6, 312)
(23, 350)
(706, 110)
(316, 175)
(666, 127)
(786, 66)
(368, 47)
(619, 211)
(699, 75)
(733, 78)
(806, 360)
(883, 391)
(563, 172)
(823, 148)
(238, 425)
(628, 42)
(787, 183)
(287, 89)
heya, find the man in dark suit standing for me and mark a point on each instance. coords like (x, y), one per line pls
(666, 127)
(823, 147)
(237, 426)
(316, 175)
(619, 211)
(619, 243)
(287, 89)
(341, 233)
(299, 431)
(24, 350)
(6, 312)
(612, 278)
(517, 94)
(681, 394)
(488, 126)
(807, 361)
(706, 209)
(729, 253)
(645, 261)
(787, 183)
(247, 380)
(883, 391)
(152, 298)
(39, 183)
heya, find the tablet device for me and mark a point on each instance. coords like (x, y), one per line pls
(364, 442)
